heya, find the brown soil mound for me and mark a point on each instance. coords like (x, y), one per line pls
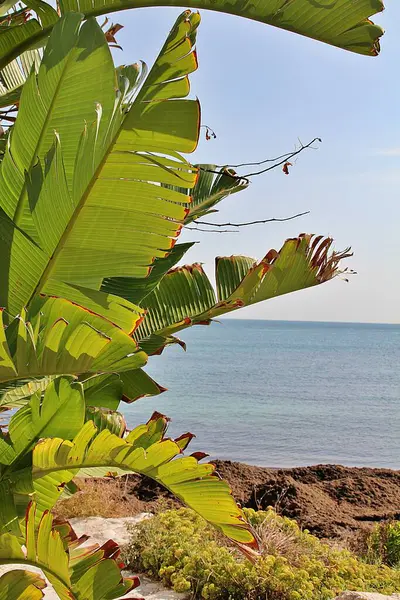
(331, 501)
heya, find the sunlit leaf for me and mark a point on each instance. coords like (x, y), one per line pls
(338, 22)
(144, 451)
(185, 296)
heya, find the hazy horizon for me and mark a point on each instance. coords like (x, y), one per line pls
(239, 317)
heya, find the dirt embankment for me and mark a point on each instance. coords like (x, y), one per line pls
(329, 500)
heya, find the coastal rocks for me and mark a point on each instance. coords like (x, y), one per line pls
(366, 596)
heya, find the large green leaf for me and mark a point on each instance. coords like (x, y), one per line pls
(77, 343)
(106, 390)
(101, 390)
(338, 22)
(14, 75)
(61, 412)
(76, 58)
(185, 296)
(212, 186)
(14, 394)
(21, 585)
(82, 237)
(146, 451)
(135, 289)
(90, 573)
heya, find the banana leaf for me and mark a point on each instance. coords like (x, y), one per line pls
(340, 23)
(71, 242)
(186, 297)
(21, 585)
(90, 572)
(76, 343)
(145, 450)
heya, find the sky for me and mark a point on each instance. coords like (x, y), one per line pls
(261, 89)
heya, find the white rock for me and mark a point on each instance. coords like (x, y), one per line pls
(154, 590)
(366, 596)
(101, 530)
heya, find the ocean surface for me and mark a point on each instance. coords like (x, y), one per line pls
(282, 394)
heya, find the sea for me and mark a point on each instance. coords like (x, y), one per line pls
(283, 393)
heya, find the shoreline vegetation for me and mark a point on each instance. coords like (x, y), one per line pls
(179, 549)
(322, 529)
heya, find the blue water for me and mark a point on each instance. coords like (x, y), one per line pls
(279, 393)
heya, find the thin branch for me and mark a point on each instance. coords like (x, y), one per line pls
(251, 222)
(12, 108)
(212, 230)
(282, 157)
(284, 160)
(278, 161)
(10, 119)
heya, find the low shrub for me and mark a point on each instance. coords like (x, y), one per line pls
(179, 548)
(381, 545)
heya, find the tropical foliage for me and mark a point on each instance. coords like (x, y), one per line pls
(94, 192)
(340, 23)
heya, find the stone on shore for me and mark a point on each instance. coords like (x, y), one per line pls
(366, 596)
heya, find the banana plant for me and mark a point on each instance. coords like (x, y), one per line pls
(121, 141)
(89, 573)
(94, 192)
(53, 440)
(118, 154)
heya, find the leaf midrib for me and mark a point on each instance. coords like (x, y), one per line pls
(30, 445)
(61, 243)
(38, 565)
